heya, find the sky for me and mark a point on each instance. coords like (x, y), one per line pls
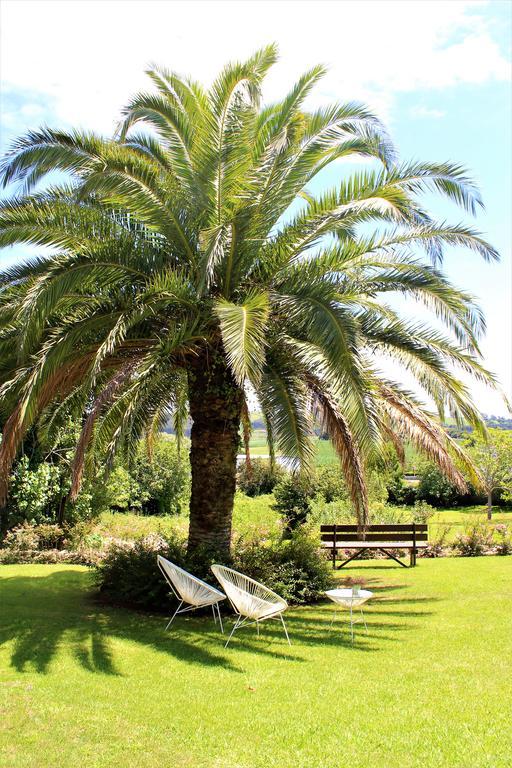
(438, 73)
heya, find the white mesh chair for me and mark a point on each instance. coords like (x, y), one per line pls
(251, 601)
(190, 590)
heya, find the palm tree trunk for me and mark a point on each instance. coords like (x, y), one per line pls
(489, 505)
(215, 407)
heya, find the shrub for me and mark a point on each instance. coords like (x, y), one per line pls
(39, 488)
(503, 540)
(475, 541)
(330, 484)
(82, 535)
(122, 492)
(50, 556)
(438, 544)
(260, 479)
(28, 537)
(163, 478)
(422, 511)
(401, 493)
(33, 492)
(437, 490)
(50, 536)
(377, 490)
(295, 568)
(129, 573)
(22, 538)
(328, 513)
(387, 514)
(158, 483)
(293, 501)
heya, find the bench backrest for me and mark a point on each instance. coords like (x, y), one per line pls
(396, 532)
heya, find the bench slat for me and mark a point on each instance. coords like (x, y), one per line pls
(373, 536)
(420, 527)
(374, 544)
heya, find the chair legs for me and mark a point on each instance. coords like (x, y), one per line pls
(243, 621)
(215, 607)
(284, 627)
(174, 615)
(238, 623)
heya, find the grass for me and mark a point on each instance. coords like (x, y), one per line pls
(259, 447)
(325, 452)
(84, 684)
(458, 518)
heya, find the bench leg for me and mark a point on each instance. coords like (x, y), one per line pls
(354, 557)
(404, 565)
(413, 558)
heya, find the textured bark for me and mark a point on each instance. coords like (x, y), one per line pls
(489, 505)
(215, 407)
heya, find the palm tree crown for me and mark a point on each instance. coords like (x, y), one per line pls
(190, 259)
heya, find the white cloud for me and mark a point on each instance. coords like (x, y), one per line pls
(422, 112)
(89, 56)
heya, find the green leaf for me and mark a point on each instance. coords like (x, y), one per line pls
(243, 328)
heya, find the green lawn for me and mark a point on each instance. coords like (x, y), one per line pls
(259, 447)
(325, 452)
(82, 684)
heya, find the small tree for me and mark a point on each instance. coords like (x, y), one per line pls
(435, 488)
(293, 501)
(493, 460)
(163, 478)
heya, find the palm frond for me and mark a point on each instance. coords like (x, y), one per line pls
(243, 328)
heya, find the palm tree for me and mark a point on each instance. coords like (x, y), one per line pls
(190, 260)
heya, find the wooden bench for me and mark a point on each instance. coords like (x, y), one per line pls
(411, 536)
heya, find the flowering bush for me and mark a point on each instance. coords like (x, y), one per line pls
(475, 540)
(28, 537)
(89, 557)
(23, 538)
(503, 540)
(438, 544)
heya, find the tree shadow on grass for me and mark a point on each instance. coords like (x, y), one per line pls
(40, 614)
(315, 628)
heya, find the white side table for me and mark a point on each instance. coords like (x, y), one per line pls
(348, 599)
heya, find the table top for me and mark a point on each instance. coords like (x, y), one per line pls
(347, 596)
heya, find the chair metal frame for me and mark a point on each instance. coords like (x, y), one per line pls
(199, 585)
(256, 596)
